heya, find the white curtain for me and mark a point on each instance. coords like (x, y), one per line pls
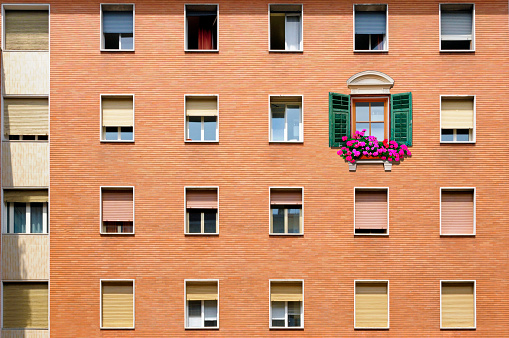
(292, 32)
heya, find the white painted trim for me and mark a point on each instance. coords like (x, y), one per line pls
(386, 45)
(185, 210)
(301, 131)
(440, 29)
(185, 304)
(475, 303)
(24, 7)
(302, 210)
(475, 207)
(475, 119)
(101, 135)
(101, 304)
(185, 29)
(301, 327)
(355, 303)
(101, 39)
(113, 187)
(388, 208)
(185, 118)
(301, 29)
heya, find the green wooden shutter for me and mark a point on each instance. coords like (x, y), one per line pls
(339, 118)
(401, 118)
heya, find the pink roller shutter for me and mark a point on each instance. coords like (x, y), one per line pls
(201, 199)
(371, 209)
(284, 197)
(117, 205)
(457, 212)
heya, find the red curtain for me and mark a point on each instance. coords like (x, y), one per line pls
(205, 37)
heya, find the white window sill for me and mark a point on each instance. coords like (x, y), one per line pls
(285, 51)
(370, 51)
(371, 328)
(191, 141)
(117, 328)
(201, 50)
(274, 234)
(286, 328)
(458, 328)
(118, 233)
(286, 142)
(457, 142)
(457, 50)
(355, 234)
(117, 50)
(387, 164)
(11, 234)
(457, 235)
(203, 328)
(117, 141)
(201, 234)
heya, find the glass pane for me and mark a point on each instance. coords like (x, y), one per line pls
(293, 320)
(210, 309)
(126, 133)
(194, 128)
(194, 313)
(111, 134)
(362, 111)
(292, 32)
(111, 40)
(194, 222)
(278, 310)
(278, 122)
(462, 135)
(377, 130)
(293, 121)
(361, 126)
(278, 221)
(294, 221)
(210, 323)
(377, 111)
(29, 137)
(126, 41)
(20, 216)
(36, 218)
(210, 221)
(278, 322)
(210, 127)
(362, 41)
(294, 308)
(377, 41)
(447, 135)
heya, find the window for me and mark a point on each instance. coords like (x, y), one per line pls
(26, 119)
(286, 119)
(286, 27)
(201, 211)
(371, 304)
(117, 27)
(117, 304)
(457, 119)
(201, 119)
(286, 211)
(117, 210)
(286, 304)
(26, 29)
(202, 304)
(26, 211)
(457, 305)
(201, 27)
(25, 305)
(370, 27)
(371, 211)
(457, 27)
(457, 211)
(370, 114)
(117, 118)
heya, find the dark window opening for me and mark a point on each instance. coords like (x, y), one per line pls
(201, 27)
(456, 45)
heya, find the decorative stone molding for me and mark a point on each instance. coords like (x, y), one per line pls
(387, 164)
(370, 82)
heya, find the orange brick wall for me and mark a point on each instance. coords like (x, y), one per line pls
(414, 258)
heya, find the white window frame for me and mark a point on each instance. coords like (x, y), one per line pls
(286, 327)
(102, 134)
(109, 187)
(473, 189)
(186, 120)
(301, 122)
(472, 131)
(185, 30)
(202, 225)
(286, 213)
(101, 304)
(102, 49)
(9, 228)
(25, 7)
(388, 208)
(301, 49)
(355, 303)
(202, 306)
(440, 29)
(386, 43)
(475, 303)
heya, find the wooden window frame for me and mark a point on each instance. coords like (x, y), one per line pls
(388, 209)
(186, 327)
(475, 303)
(355, 303)
(101, 189)
(102, 49)
(286, 327)
(385, 99)
(101, 304)
(103, 128)
(474, 192)
(186, 215)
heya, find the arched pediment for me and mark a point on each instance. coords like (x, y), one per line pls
(370, 82)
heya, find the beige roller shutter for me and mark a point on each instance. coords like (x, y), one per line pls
(26, 30)
(286, 99)
(371, 209)
(201, 199)
(117, 304)
(458, 304)
(286, 291)
(26, 196)
(286, 197)
(457, 113)
(371, 304)
(201, 291)
(457, 213)
(117, 205)
(26, 116)
(201, 106)
(117, 111)
(25, 305)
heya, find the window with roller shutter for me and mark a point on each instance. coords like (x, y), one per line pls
(371, 304)
(117, 304)
(457, 211)
(117, 210)
(457, 304)
(371, 211)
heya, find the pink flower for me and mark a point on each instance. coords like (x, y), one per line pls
(383, 157)
(390, 159)
(375, 153)
(340, 153)
(409, 153)
(401, 152)
(404, 147)
(348, 158)
(344, 138)
(349, 153)
(364, 152)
